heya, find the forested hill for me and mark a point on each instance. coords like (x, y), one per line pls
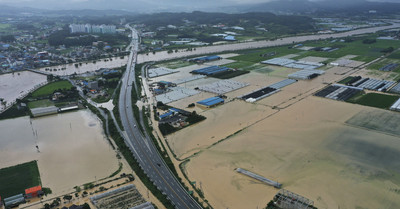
(288, 23)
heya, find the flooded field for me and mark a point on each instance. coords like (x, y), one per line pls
(86, 66)
(73, 149)
(17, 85)
(310, 150)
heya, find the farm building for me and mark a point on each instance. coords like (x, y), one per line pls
(146, 205)
(33, 192)
(42, 111)
(396, 89)
(205, 59)
(373, 84)
(229, 38)
(166, 115)
(338, 92)
(211, 102)
(389, 67)
(212, 70)
(14, 201)
(128, 196)
(72, 107)
(290, 63)
(259, 94)
(396, 106)
(305, 74)
(156, 72)
(222, 86)
(266, 91)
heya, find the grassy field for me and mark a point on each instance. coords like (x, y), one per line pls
(14, 180)
(175, 64)
(4, 27)
(40, 103)
(382, 101)
(13, 112)
(50, 88)
(381, 63)
(364, 52)
(345, 80)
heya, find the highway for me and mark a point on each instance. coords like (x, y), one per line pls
(142, 147)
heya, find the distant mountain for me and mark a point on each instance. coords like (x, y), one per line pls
(328, 7)
(16, 11)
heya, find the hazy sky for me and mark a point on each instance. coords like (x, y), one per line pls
(133, 4)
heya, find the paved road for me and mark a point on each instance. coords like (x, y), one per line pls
(142, 147)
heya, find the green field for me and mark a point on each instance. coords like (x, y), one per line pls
(14, 180)
(382, 101)
(40, 103)
(345, 80)
(378, 65)
(364, 52)
(4, 27)
(50, 88)
(175, 64)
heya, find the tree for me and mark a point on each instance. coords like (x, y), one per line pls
(46, 206)
(67, 197)
(86, 206)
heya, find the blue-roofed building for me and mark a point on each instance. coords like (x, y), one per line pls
(166, 115)
(212, 70)
(183, 112)
(229, 38)
(211, 102)
(206, 59)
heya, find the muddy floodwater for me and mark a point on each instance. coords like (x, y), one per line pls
(72, 148)
(86, 66)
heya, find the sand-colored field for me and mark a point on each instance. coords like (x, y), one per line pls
(16, 85)
(73, 149)
(309, 148)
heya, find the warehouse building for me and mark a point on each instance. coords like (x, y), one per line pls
(33, 192)
(396, 89)
(305, 74)
(211, 102)
(14, 201)
(338, 92)
(373, 84)
(266, 91)
(396, 106)
(205, 59)
(127, 196)
(146, 205)
(212, 70)
(156, 72)
(43, 111)
(290, 63)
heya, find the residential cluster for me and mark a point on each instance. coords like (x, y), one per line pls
(88, 28)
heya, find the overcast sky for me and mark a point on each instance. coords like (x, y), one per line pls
(132, 4)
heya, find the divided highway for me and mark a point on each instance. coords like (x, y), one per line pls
(143, 148)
